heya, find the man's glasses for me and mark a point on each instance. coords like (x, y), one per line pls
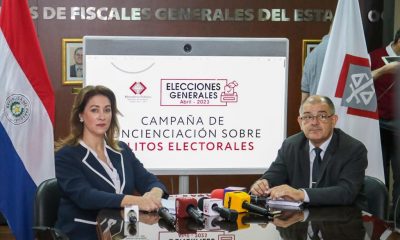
(320, 117)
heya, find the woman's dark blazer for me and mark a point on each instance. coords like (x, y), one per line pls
(86, 187)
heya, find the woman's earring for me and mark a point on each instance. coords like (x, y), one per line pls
(81, 120)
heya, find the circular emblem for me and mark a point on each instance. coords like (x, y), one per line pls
(17, 109)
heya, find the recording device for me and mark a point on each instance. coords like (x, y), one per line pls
(187, 48)
(168, 217)
(240, 201)
(187, 207)
(131, 218)
(213, 206)
(131, 213)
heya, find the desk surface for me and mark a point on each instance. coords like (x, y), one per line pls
(332, 223)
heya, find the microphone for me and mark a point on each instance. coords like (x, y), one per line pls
(217, 193)
(258, 199)
(162, 223)
(131, 213)
(220, 193)
(240, 201)
(188, 207)
(164, 214)
(234, 189)
(132, 216)
(212, 207)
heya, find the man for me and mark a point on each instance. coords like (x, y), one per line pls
(385, 82)
(321, 165)
(312, 69)
(76, 70)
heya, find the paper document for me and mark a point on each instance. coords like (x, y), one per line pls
(282, 202)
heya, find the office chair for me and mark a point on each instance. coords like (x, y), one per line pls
(396, 216)
(377, 196)
(2, 220)
(47, 200)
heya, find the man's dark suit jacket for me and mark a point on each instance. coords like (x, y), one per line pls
(341, 175)
(72, 70)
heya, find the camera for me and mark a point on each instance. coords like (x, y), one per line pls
(187, 48)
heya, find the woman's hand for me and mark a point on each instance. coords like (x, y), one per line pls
(149, 202)
(154, 196)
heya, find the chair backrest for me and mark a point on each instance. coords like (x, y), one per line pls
(47, 201)
(2, 220)
(396, 216)
(377, 196)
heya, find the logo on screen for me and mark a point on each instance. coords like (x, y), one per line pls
(198, 92)
(138, 88)
(229, 94)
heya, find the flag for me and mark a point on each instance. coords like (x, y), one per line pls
(346, 78)
(26, 117)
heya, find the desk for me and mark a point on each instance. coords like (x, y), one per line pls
(339, 223)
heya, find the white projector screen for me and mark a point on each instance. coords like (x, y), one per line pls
(195, 105)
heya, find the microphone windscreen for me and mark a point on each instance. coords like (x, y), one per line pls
(182, 205)
(234, 189)
(234, 200)
(217, 193)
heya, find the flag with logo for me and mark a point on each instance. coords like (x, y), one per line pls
(26, 117)
(346, 78)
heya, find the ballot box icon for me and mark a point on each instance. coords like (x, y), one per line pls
(229, 94)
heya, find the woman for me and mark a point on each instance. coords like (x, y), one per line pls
(95, 171)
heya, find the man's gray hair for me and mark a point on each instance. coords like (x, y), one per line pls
(314, 99)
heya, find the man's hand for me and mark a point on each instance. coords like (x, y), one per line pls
(260, 188)
(286, 192)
